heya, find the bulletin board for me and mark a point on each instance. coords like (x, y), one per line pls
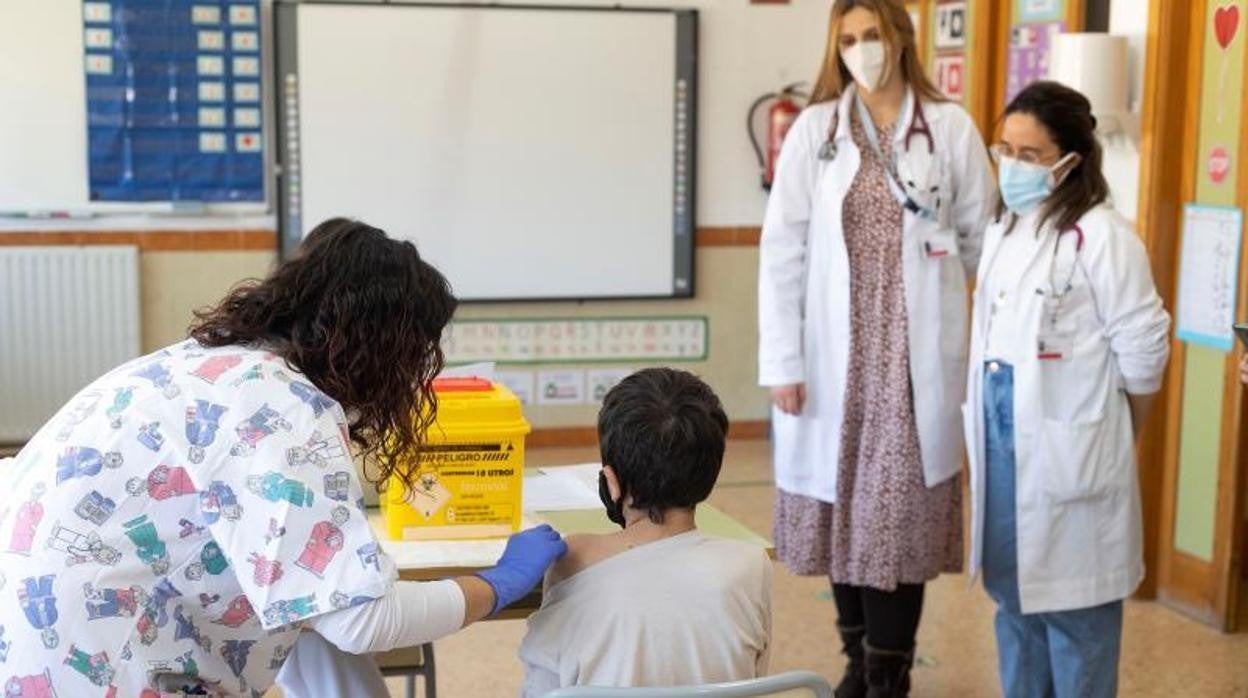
(136, 107)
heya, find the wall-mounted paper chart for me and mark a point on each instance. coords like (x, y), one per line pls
(174, 100)
(1209, 275)
(572, 340)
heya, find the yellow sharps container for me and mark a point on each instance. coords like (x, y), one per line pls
(468, 483)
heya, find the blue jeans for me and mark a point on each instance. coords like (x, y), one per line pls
(1067, 654)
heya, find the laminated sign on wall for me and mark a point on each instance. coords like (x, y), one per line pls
(1209, 275)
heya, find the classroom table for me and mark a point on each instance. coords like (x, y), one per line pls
(432, 560)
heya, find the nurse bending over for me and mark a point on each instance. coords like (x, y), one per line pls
(162, 532)
(1069, 345)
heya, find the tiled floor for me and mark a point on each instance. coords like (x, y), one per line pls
(1164, 654)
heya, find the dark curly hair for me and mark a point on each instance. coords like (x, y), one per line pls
(361, 316)
(664, 432)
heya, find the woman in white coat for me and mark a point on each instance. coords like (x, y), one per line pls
(1069, 343)
(873, 225)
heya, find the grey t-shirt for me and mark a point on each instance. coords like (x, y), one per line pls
(685, 610)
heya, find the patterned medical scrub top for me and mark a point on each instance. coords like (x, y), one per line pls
(173, 524)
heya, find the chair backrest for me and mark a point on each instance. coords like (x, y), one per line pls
(792, 684)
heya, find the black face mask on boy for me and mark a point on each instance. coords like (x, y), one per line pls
(615, 512)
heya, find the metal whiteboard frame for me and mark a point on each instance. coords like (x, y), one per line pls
(285, 92)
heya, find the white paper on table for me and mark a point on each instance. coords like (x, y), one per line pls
(562, 489)
(432, 554)
(485, 369)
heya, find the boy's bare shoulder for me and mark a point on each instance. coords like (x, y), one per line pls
(584, 549)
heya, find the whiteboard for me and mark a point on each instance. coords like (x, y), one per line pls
(531, 153)
(43, 118)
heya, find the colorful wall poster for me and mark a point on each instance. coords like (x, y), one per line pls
(950, 71)
(951, 25)
(1028, 59)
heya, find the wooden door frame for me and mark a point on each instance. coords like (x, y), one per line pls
(1207, 590)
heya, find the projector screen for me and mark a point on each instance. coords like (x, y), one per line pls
(530, 152)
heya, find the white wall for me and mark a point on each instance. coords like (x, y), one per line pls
(746, 51)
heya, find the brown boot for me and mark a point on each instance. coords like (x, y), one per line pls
(888, 673)
(854, 683)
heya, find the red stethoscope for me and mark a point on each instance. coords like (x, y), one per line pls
(918, 126)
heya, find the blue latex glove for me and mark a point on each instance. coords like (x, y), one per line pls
(523, 564)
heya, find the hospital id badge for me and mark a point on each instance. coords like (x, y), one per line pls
(1055, 346)
(940, 245)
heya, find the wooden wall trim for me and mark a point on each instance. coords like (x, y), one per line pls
(569, 437)
(151, 240)
(266, 240)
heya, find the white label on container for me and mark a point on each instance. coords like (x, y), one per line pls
(210, 65)
(99, 64)
(246, 92)
(98, 38)
(245, 41)
(246, 117)
(211, 117)
(246, 66)
(212, 142)
(247, 142)
(211, 91)
(211, 40)
(242, 14)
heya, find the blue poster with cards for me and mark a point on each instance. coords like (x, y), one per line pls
(174, 107)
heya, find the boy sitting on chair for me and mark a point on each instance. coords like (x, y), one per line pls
(657, 603)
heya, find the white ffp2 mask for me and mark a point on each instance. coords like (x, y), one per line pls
(866, 61)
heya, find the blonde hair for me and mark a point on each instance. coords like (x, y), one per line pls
(897, 31)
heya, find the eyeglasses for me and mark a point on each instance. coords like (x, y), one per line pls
(1001, 150)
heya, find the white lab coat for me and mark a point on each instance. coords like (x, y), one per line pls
(804, 281)
(1078, 499)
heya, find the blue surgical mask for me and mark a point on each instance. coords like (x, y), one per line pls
(1025, 185)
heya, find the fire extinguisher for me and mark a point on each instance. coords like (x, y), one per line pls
(785, 106)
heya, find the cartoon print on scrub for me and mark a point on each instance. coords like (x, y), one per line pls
(338, 486)
(368, 555)
(264, 571)
(93, 666)
(184, 628)
(148, 545)
(121, 400)
(274, 531)
(188, 528)
(211, 560)
(203, 419)
(39, 605)
(255, 373)
(81, 548)
(219, 501)
(287, 611)
(160, 377)
(318, 451)
(212, 369)
(78, 412)
(95, 508)
(113, 603)
(150, 436)
(26, 522)
(318, 401)
(251, 431)
(275, 487)
(156, 611)
(33, 686)
(238, 611)
(82, 461)
(163, 483)
(323, 543)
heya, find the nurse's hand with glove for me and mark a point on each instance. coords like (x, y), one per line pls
(1069, 345)
(170, 530)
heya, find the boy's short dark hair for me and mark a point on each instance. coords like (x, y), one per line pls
(663, 431)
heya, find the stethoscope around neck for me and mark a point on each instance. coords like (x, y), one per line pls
(918, 127)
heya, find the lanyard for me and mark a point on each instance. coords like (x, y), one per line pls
(873, 137)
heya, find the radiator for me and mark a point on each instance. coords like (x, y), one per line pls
(67, 316)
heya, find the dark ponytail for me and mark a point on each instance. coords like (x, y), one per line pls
(1067, 115)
